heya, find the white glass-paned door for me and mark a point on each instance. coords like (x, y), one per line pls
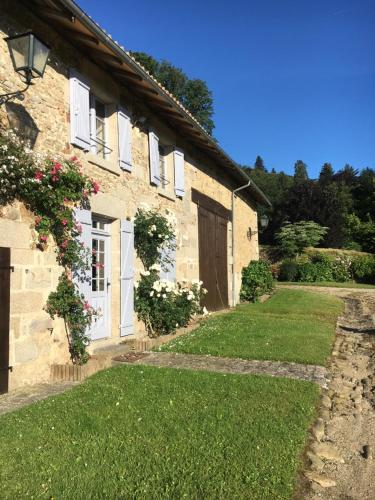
(100, 281)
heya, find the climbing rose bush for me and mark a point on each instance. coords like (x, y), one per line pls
(153, 232)
(162, 305)
(51, 188)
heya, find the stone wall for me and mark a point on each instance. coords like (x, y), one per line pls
(43, 116)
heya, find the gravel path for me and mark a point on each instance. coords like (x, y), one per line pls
(232, 365)
(340, 460)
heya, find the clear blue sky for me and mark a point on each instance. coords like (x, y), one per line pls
(291, 79)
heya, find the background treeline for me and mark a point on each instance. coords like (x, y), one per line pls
(343, 201)
(193, 93)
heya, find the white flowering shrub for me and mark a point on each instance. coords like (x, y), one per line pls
(162, 305)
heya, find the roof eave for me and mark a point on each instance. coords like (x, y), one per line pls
(86, 20)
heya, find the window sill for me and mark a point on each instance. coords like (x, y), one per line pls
(104, 164)
(165, 194)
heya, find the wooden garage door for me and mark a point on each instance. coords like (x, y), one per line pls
(213, 269)
(4, 317)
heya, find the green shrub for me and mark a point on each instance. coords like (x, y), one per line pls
(288, 270)
(333, 265)
(363, 268)
(341, 269)
(257, 280)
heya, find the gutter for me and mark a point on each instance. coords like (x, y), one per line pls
(106, 39)
(234, 240)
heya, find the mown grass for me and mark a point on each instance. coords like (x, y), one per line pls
(345, 284)
(293, 325)
(150, 433)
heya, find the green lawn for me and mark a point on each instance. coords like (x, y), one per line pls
(346, 284)
(293, 325)
(148, 433)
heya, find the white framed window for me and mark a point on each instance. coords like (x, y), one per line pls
(98, 128)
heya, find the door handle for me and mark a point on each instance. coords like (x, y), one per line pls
(108, 283)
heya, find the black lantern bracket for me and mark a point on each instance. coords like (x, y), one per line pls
(19, 94)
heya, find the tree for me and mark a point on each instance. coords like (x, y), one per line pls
(326, 174)
(364, 194)
(331, 204)
(192, 93)
(361, 233)
(148, 62)
(300, 172)
(198, 100)
(293, 238)
(259, 164)
(348, 176)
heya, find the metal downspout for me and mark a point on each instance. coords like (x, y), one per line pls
(233, 242)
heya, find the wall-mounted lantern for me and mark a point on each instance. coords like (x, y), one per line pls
(264, 220)
(29, 57)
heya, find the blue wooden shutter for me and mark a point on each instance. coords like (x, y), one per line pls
(153, 142)
(124, 140)
(83, 279)
(79, 111)
(179, 172)
(127, 278)
(170, 273)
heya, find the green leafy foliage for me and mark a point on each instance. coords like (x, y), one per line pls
(293, 238)
(192, 93)
(338, 267)
(328, 201)
(257, 280)
(288, 270)
(363, 268)
(361, 232)
(66, 302)
(51, 188)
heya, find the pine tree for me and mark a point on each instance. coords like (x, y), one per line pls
(326, 174)
(259, 164)
(300, 172)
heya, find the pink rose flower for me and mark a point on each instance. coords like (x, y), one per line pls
(64, 222)
(95, 187)
(38, 175)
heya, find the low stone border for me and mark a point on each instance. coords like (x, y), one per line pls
(78, 373)
(296, 371)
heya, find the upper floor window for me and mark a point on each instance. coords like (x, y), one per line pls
(163, 167)
(98, 128)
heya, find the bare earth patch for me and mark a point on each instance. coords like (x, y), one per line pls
(340, 461)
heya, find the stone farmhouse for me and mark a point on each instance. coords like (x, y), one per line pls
(96, 102)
